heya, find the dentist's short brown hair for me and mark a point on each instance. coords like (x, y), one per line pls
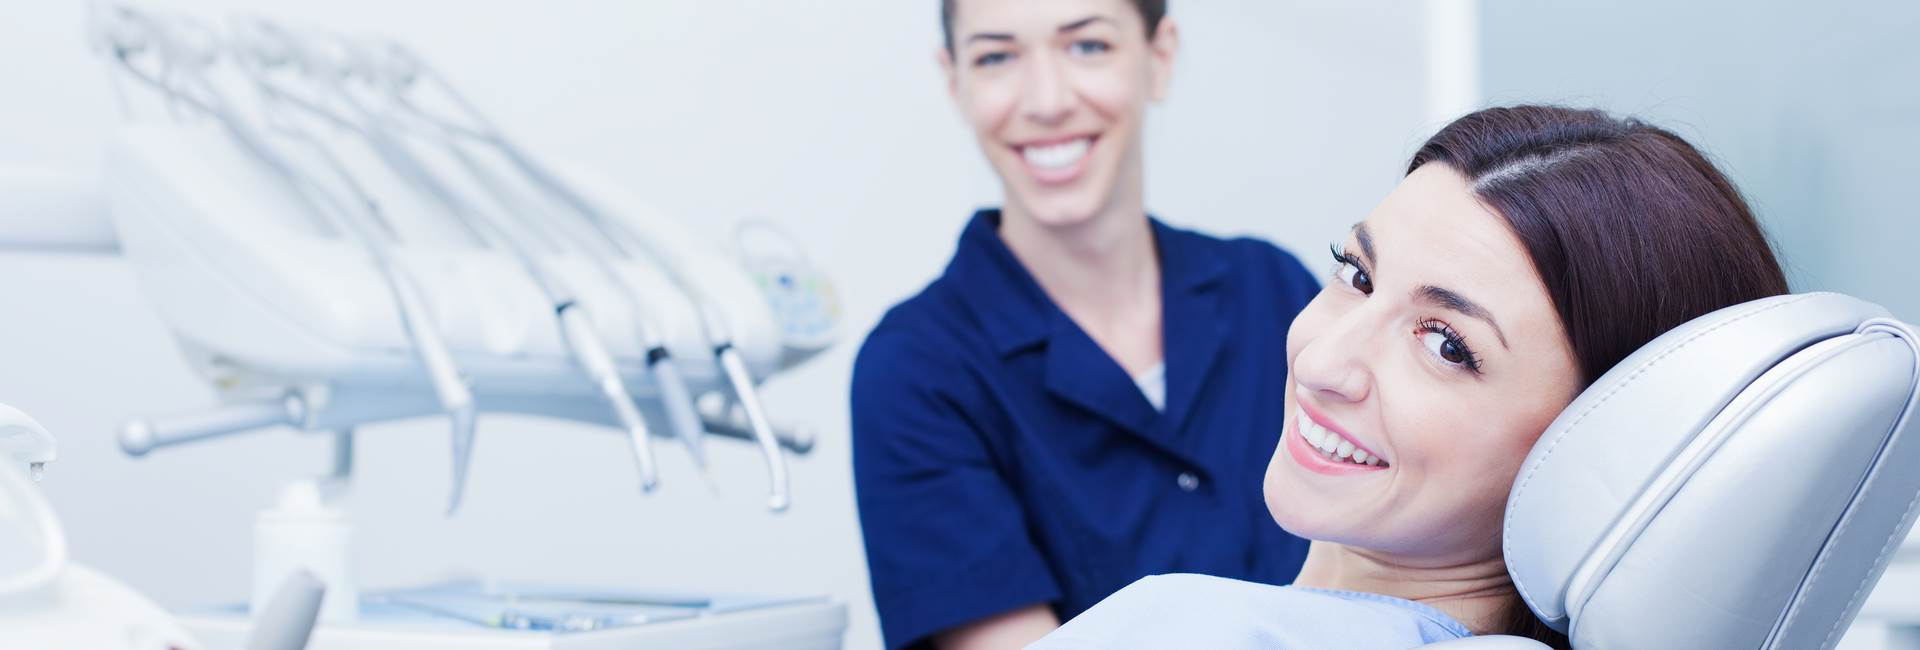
(1151, 10)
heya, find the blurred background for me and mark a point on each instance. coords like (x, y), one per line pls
(1288, 120)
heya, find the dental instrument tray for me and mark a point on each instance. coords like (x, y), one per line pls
(515, 616)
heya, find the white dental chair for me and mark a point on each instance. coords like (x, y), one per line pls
(1739, 482)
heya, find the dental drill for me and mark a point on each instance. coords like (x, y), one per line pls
(582, 341)
(631, 245)
(398, 71)
(393, 78)
(130, 33)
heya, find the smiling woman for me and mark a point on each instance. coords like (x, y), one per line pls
(1081, 398)
(1527, 251)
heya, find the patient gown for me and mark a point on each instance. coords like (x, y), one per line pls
(1195, 611)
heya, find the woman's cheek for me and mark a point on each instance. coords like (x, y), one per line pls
(990, 102)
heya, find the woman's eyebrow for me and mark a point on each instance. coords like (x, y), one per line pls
(1083, 22)
(1068, 27)
(1366, 241)
(990, 36)
(1437, 296)
(1447, 299)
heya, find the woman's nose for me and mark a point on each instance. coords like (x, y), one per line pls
(1048, 95)
(1334, 365)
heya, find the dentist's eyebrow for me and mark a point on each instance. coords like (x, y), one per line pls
(1008, 37)
(1446, 299)
(1083, 22)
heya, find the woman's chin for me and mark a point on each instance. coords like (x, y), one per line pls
(1315, 518)
(1062, 213)
(1059, 208)
(1299, 520)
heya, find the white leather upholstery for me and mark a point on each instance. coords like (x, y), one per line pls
(1736, 483)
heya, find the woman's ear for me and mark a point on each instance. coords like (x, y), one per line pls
(1163, 49)
(944, 57)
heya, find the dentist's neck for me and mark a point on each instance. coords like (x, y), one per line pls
(1108, 259)
(1104, 272)
(1475, 592)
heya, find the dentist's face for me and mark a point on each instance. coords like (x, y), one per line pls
(1434, 357)
(1056, 91)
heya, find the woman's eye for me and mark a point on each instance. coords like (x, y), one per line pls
(1448, 346)
(1089, 47)
(1347, 271)
(992, 58)
(1352, 275)
(1447, 349)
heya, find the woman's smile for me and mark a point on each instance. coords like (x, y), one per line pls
(1324, 450)
(1057, 161)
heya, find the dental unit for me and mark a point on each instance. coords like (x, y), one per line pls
(625, 292)
(581, 339)
(332, 249)
(625, 242)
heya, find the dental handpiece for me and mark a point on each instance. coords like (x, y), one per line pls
(741, 381)
(578, 333)
(682, 415)
(582, 342)
(449, 386)
(718, 334)
(450, 389)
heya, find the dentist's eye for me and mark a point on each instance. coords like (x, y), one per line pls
(1448, 345)
(1348, 271)
(1089, 47)
(992, 59)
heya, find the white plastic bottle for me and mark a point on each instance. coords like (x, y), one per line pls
(304, 532)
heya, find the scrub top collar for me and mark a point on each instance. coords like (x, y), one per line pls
(1018, 316)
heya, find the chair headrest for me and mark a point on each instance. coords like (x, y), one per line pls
(1739, 481)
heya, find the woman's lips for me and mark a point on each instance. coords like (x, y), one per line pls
(1057, 162)
(1317, 461)
(1322, 426)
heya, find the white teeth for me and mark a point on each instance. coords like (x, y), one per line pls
(1334, 446)
(1058, 156)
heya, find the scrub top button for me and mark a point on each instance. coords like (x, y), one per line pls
(1188, 482)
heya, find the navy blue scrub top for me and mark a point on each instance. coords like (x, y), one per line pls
(1002, 459)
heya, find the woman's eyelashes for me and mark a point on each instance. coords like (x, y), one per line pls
(1349, 272)
(1083, 48)
(1088, 47)
(991, 59)
(1436, 336)
(1447, 345)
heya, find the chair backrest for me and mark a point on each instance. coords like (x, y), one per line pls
(1739, 482)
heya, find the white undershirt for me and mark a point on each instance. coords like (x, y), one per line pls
(1153, 384)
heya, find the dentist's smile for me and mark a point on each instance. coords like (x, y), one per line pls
(1058, 161)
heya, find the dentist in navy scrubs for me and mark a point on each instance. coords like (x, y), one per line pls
(1087, 395)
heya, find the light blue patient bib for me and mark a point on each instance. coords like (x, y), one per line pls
(1195, 611)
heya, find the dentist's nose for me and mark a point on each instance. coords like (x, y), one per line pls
(1047, 97)
(1335, 366)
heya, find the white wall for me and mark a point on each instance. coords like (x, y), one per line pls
(1812, 108)
(1288, 120)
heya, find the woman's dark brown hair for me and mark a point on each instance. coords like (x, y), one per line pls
(1151, 10)
(1632, 230)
